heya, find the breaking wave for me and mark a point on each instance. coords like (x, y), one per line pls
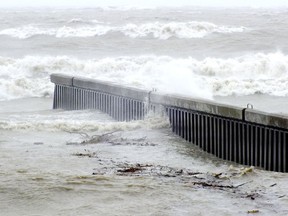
(86, 121)
(82, 21)
(250, 74)
(157, 30)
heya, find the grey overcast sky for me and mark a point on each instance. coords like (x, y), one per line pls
(144, 3)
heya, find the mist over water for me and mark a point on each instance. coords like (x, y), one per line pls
(47, 162)
(112, 4)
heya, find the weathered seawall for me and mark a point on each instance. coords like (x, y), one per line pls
(242, 135)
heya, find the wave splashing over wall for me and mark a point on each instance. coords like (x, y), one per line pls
(250, 74)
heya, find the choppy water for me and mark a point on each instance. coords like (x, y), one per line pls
(221, 52)
(49, 167)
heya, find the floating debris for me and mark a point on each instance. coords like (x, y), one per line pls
(245, 171)
(130, 170)
(186, 176)
(86, 154)
(253, 211)
(88, 139)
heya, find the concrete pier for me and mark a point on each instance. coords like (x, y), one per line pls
(242, 135)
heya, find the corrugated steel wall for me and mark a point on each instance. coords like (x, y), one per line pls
(230, 139)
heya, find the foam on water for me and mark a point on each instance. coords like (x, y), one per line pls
(250, 74)
(76, 121)
(48, 171)
(159, 30)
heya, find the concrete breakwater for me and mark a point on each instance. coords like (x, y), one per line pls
(238, 134)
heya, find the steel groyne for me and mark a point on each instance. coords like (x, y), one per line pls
(242, 135)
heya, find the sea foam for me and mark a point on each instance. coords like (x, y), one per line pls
(250, 74)
(158, 30)
(86, 121)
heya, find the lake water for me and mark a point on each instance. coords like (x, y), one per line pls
(57, 162)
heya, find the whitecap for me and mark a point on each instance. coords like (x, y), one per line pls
(250, 74)
(159, 30)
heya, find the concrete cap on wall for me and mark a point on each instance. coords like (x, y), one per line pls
(197, 104)
(61, 79)
(110, 88)
(264, 118)
(106, 87)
